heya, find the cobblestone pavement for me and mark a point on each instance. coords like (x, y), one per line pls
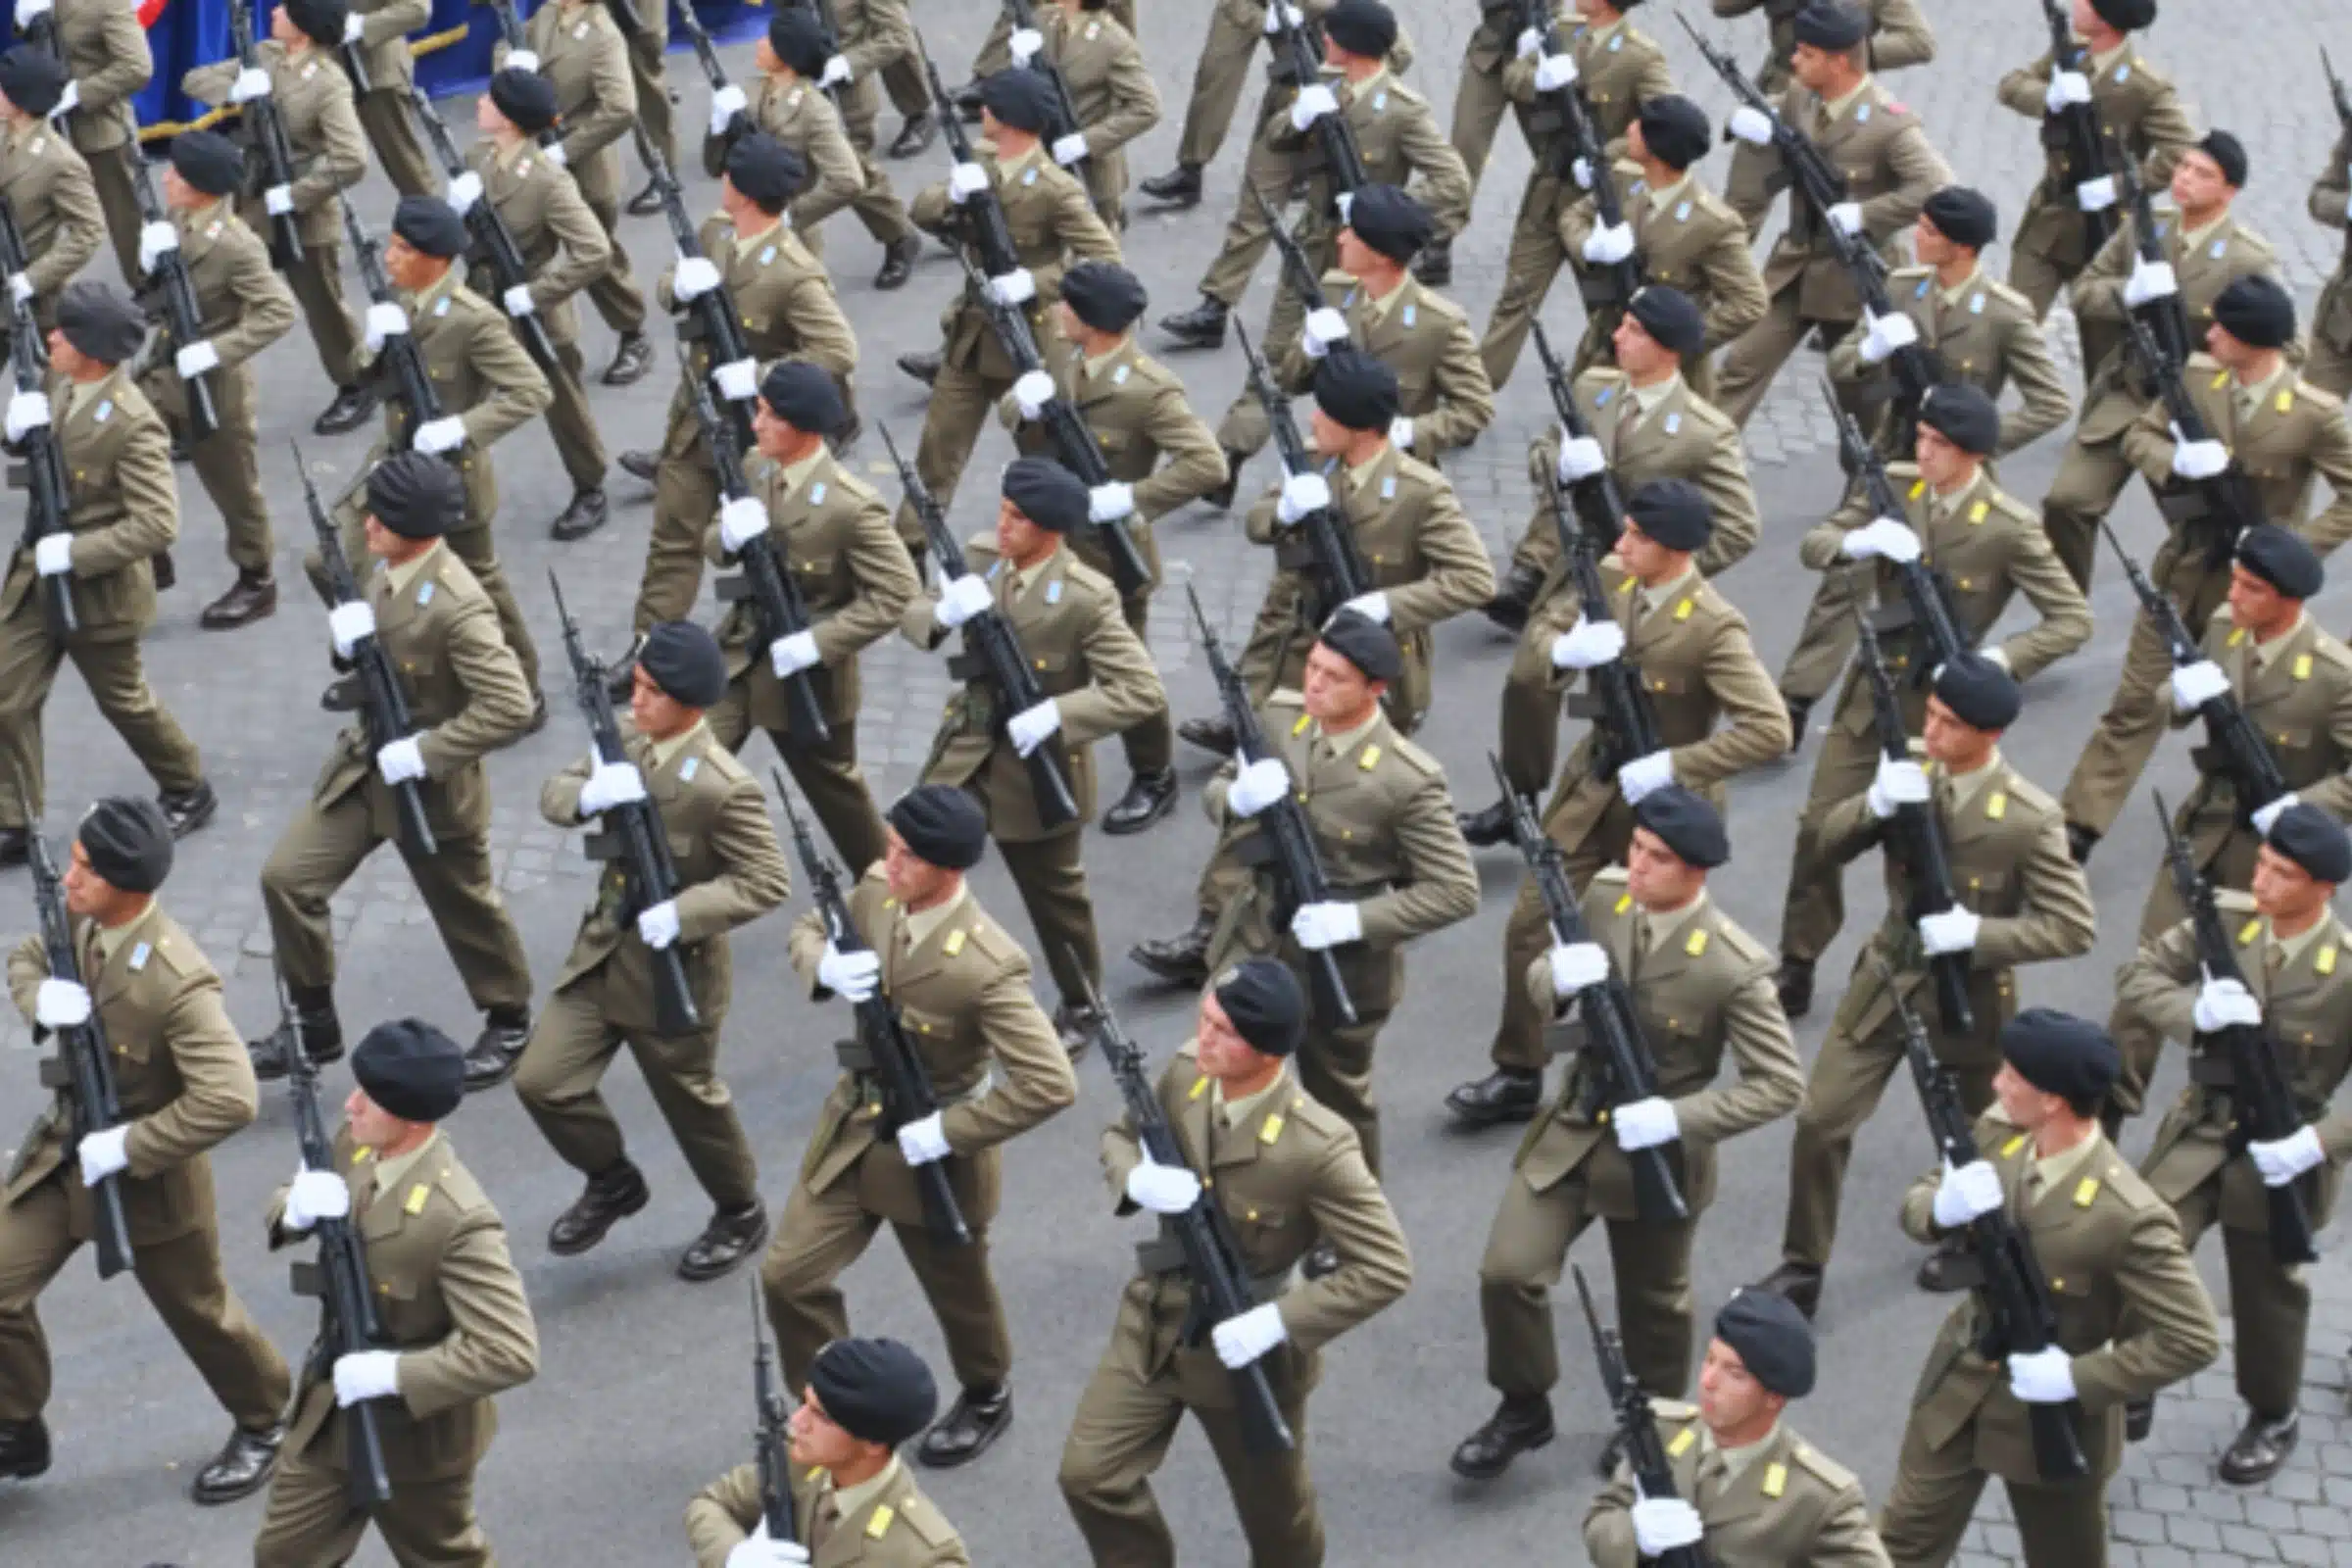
(642, 1392)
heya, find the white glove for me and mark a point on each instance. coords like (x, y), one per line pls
(1372, 605)
(1887, 333)
(2045, 1377)
(1015, 287)
(2267, 816)
(315, 1195)
(1110, 502)
(364, 1375)
(19, 288)
(1070, 149)
(401, 760)
(739, 521)
(1897, 784)
(1646, 775)
(1028, 728)
(836, 72)
(965, 181)
(103, 1153)
(67, 101)
(1952, 931)
(693, 277)
(355, 28)
(657, 926)
(347, 623)
(725, 104)
(1644, 1123)
(1301, 494)
(1400, 433)
(1846, 217)
(445, 434)
(2201, 459)
(196, 359)
(2149, 281)
(2222, 1004)
(1162, 1189)
(26, 410)
(518, 301)
(610, 784)
(554, 151)
(1313, 102)
(1280, 15)
(1242, 1340)
(1751, 125)
(1024, 44)
(384, 320)
(789, 656)
(1256, 786)
(850, 975)
(522, 60)
(156, 241)
(1577, 966)
(2096, 195)
(2066, 87)
(1966, 1193)
(1611, 244)
(279, 201)
(1888, 537)
(924, 1142)
(464, 191)
(1581, 457)
(2195, 685)
(1554, 72)
(960, 599)
(53, 554)
(1032, 392)
(1588, 644)
(61, 1004)
(1317, 926)
(252, 82)
(1665, 1524)
(1325, 327)
(29, 10)
(737, 380)
(757, 1551)
(1530, 44)
(2288, 1157)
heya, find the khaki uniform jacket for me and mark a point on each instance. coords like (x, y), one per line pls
(2131, 1309)
(1704, 992)
(313, 98)
(106, 54)
(1791, 1503)
(783, 297)
(1695, 244)
(2331, 317)
(1684, 437)
(1087, 661)
(834, 536)
(384, 28)
(2138, 110)
(121, 506)
(2301, 701)
(1053, 224)
(2112, 399)
(447, 1298)
(899, 1528)
(180, 1073)
(1617, 73)
(1890, 169)
(1288, 1177)
(565, 249)
(243, 302)
(1397, 136)
(2298, 431)
(482, 374)
(996, 1067)
(582, 53)
(1989, 339)
(1898, 38)
(731, 873)
(1427, 339)
(1109, 86)
(801, 116)
(49, 191)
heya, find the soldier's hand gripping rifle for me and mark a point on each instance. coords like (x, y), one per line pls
(1615, 1063)
(2217, 510)
(1335, 567)
(1339, 159)
(711, 317)
(2163, 314)
(1201, 1240)
(1941, 636)
(1637, 1424)
(1615, 700)
(1564, 118)
(169, 277)
(2076, 134)
(273, 154)
(493, 241)
(978, 215)
(884, 1050)
(725, 92)
(1299, 878)
(1065, 108)
(2013, 1295)
(400, 367)
(2262, 1092)
(48, 504)
(521, 56)
(772, 1436)
(629, 834)
(1600, 507)
(992, 666)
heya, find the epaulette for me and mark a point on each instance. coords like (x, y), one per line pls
(990, 938)
(454, 1181)
(2005, 294)
(2318, 395)
(2235, 901)
(2327, 645)
(1077, 572)
(1404, 92)
(1421, 473)
(2119, 1178)
(1699, 410)
(917, 1513)
(2199, 363)
(174, 950)
(2021, 791)
(2251, 240)
(1438, 303)
(725, 763)
(1301, 1112)
(1611, 874)
(844, 478)
(1836, 1476)
(1673, 1410)
(1415, 758)
(2003, 500)
(1738, 941)
(1908, 272)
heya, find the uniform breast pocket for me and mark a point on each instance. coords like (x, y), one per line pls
(814, 567)
(932, 1031)
(1264, 1229)
(2295, 737)
(1055, 672)
(1983, 889)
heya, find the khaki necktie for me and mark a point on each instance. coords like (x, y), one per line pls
(1714, 1474)
(827, 1520)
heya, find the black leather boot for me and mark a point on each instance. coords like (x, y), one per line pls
(1178, 187)
(647, 202)
(1221, 497)
(632, 358)
(241, 1468)
(966, 99)
(1209, 734)
(978, 1418)
(1515, 599)
(2081, 841)
(23, 1448)
(586, 514)
(2140, 1419)
(505, 1032)
(1950, 1268)
(489, 1061)
(1434, 265)
(1074, 1022)
(916, 136)
(1800, 708)
(251, 597)
(1507, 1094)
(1520, 1423)
(640, 465)
(1149, 797)
(322, 1034)
(1794, 983)
(1487, 827)
(1799, 1283)
(1200, 327)
(2261, 1446)
(897, 262)
(1181, 959)
(16, 846)
(732, 1236)
(189, 809)
(343, 696)
(350, 409)
(924, 368)
(609, 1197)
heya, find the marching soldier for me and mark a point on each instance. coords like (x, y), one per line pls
(852, 1501)
(242, 305)
(44, 181)
(2133, 1317)
(313, 100)
(1984, 547)
(380, 28)
(1227, 47)
(959, 985)
(122, 511)
(1139, 414)
(1109, 86)
(2279, 431)
(833, 534)
(878, 38)
(1702, 988)
(1096, 678)
(467, 698)
(2290, 942)
(878, 35)
(2330, 363)
(104, 46)
(456, 1328)
(1692, 649)
(184, 1086)
(2017, 900)
(647, 36)
(1747, 1489)
(1891, 171)
(1268, 1149)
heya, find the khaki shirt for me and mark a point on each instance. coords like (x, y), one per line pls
(49, 192)
(121, 505)
(801, 116)
(1396, 137)
(313, 99)
(1984, 334)
(1676, 435)
(1692, 242)
(887, 1523)
(2297, 693)
(383, 34)
(105, 50)
(1428, 341)
(582, 53)
(480, 373)
(1781, 1500)
(1053, 227)
(1898, 36)
(1109, 85)
(565, 249)
(1890, 169)
(783, 297)
(2331, 317)
(2138, 110)
(2294, 433)
(243, 302)
(2112, 400)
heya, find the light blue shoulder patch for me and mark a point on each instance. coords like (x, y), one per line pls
(995, 566)
(1638, 187)
(106, 412)
(1410, 311)
(2221, 248)
(139, 957)
(2162, 227)
(1030, 179)
(1681, 213)
(1600, 398)
(1674, 423)
(425, 593)
(441, 309)
(768, 254)
(1388, 488)
(688, 768)
(1976, 307)
(1054, 592)
(1617, 44)
(1347, 299)
(2122, 73)
(1118, 378)
(1862, 115)
(816, 494)
(1924, 284)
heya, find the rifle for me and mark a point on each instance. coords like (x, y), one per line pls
(1201, 1241)
(629, 834)
(2010, 1288)
(1065, 108)
(1927, 594)
(771, 1442)
(1301, 56)
(1566, 110)
(521, 56)
(169, 278)
(353, 51)
(268, 141)
(338, 1278)
(1626, 722)
(2223, 507)
(1297, 271)
(626, 19)
(383, 704)
(1637, 1423)
(883, 1049)
(1915, 837)
(2343, 118)
(1335, 566)
(2262, 1092)
(981, 217)
(2076, 134)
(2165, 318)
(15, 264)
(710, 318)
(493, 240)
(1614, 1065)
(706, 53)
(1299, 878)
(400, 363)
(48, 508)
(1599, 504)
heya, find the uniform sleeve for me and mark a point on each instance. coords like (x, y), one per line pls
(612, 105)
(518, 389)
(1032, 1080)
(2158, 985)
(1920, 171)
(2334, 794)
(2330, 456)
(886, 585)
(583, 251)
(1440, 885)
(2332, 190)
(929, 210)
(1258, 526)
(835, 178)
(1770, 1078)
(754, 877)
(1733, 287)
(1445, 185)
(265, 308)
(492, 1345)
(150, 497)
(396, 19)
(889, 37)
(722, 1515)
(2168, 1329)
(28, 967)
(217, 1095)
(1900, 37)
(1846, 1537)
(2058, 920)
(1191, 464)
(1823, 547)
(1083, 239)
(208, 84)
(1459, 577)
(1134, 104)
(559, 796)
(824, 336)
(2149, 443)
(1465, 396)
(1349, 1210)
(81, 224)
(2166, 132)
(1754, 723)
(2098, 293)
(342, 159)
(1738, 523)
(1120, 1149)
(2065, 623)
(498, 703)
(128, 66)
(1609, 1520)
(1122, 686)
(2025, 88)
(2043, 404)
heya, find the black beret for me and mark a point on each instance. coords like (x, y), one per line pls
(1673, 511)
(1364, 643)
(1363, 27)
(322, 20)
(100, 321)
(2060, 1054)
(1668, 315)
(524, 97)
(1828, 24)
(798, 39)
(430, 224)
(208, 161)
(942, 824)
(411, 1069)
(1965, 216)
(1674, 130)
(1265, 1005)
(1963, 415)
(802, 394)
(2280, 558)
(1022, 98)
(2229, 152)
(2257, 312)
(1391, 221)
(1692, 828)
(1105, 295)
(415, 495)
(1979, 693)
(129, 842)
(2313, 840)
(1047, 493)
(2125, 16)
(35, 79)
(765, 171)
(684, 661)
(877, 1391)
(1357, 390)
(1775, 1340)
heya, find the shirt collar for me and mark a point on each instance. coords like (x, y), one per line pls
(1664, 196)
(1650, 396)
(407, 571)
(2054, 1170)
(390, 1172)
(2100, 63)
(2192, 239)
(1965, 786)
(1943, 506)
(744, 241)
(1651, 598)
(1023, 576)
(1951, 296)
(109, 939)
(664, 751)
(2261, 389)
(1098, 364)
(1370, 84)
(1836, 108)
(795, 472)
(1383, 306)
(1343, 741)
(1666, 924)
(1359, 474)
(851, 1500)
(2291, 947)
(437, 289)
(1735, 1461)
(1237, 1112)
(921, 923)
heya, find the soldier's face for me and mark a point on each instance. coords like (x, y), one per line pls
(1328, 435)
(178, 194)
(2284, 888)
(1656, 876)
(775, 437)
(1066, 322)
(1642, 556)
(1595, 10)
(282, 29)
(410, 267)
(653, 710)
(1019, 540)
(1954, 742)
(2257, 606)
(91, 896)
(68, 360)
(815, 1439)
(2197, 183)
(486, 118)
(1939, 462)
(1334, 691)
(1929, 244)
(2227, 347)
(1730, 1398)
(1813, 65)
(371, 1125)
(763, 55)
(2027, 1107)
(914, 881)
(2086, 18)
(1222, 1052)
(1355, 257)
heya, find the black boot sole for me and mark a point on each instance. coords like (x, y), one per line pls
(1475, 1114)
(752, 1246)
(1494, 1471)
(205, 1496)
(631, 1205)
(963, 1457)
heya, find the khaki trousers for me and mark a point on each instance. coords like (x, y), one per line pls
(964, 402)
(116, 678)
(318, 285)
(1527, 935)
(2139, 714)
(1826, 640)
(2083, 492)
(1052, 880)
(384, 115)
(910, 88)
(2270, 1305)
(685, 500)
(1529, 271)
(1756, 356)
(828, 776)
(1150, 745)
(118, 200)
(1936, 1492)
(1227, 54)
(1247, 235)
(616, 295)
(1479, 105)
(655, 110)
(1813, 910)
(579, 443)
(310, 1522)
(877, 205)
(228, 462)
(2329, 370)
